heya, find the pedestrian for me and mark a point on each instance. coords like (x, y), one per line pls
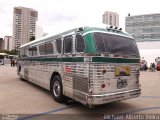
(15, 62)
(145, 66)
(11, 62)
(153, 67)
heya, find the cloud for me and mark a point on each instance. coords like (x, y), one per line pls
(2, 10)
(58, 17)
(62, 18)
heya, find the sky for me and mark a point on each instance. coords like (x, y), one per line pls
(59, 15)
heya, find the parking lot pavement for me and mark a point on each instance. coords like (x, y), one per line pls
(22, 97)
(17, 96)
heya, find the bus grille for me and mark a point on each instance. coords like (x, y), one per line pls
(80, 83)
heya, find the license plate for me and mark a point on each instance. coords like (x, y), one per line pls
(122, 71)
(121, 83)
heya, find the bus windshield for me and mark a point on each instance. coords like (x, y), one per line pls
(115, 44)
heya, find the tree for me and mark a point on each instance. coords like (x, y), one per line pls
(32, 38)
(4, 51)
(13, 52)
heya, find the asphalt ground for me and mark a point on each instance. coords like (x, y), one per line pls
(24, 100)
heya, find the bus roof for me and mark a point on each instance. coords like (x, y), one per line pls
(82, 30)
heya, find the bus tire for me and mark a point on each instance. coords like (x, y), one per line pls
(57, 89)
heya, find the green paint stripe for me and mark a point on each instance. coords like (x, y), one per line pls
(114, 60)
(81, 59)
(77, 59)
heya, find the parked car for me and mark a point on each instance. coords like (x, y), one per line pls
(158, 67)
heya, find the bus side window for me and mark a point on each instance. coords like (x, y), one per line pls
(49, 48)
(58, 45)
(25, 53)
(80, 45)
(32, 51)
(67, 44)
(42, 49)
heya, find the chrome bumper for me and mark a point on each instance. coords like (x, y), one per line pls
(111, 97)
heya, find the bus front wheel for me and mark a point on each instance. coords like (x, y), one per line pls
(57, 89)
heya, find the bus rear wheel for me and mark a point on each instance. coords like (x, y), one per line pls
(57, 89)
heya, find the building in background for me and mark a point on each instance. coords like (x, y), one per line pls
(39, 30)
(144, 27)
(1, 43)
(24, 25)
(146, 31)
(111, 18)
(8, 43)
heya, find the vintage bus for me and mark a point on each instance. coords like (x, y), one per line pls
(91, 65)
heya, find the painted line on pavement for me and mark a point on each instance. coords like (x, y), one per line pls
(68, 107)
(44, 113)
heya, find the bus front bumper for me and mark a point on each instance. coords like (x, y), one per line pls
(112, 97)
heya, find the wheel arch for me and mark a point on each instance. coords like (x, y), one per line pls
(53, 75)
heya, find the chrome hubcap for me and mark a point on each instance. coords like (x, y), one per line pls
(56, 88)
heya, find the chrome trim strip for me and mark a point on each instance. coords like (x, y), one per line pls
(109, 94)
(93, 31)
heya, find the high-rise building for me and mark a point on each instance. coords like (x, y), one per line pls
(144, 27)
(146, 31)
(8, 45)
(1, 43)
(39, 30)
(111, 18)
(24, 25)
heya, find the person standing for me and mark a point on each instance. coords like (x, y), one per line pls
(145, 66)
(153, 67)
(11, 62)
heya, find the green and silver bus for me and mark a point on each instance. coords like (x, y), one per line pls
(88, 64)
